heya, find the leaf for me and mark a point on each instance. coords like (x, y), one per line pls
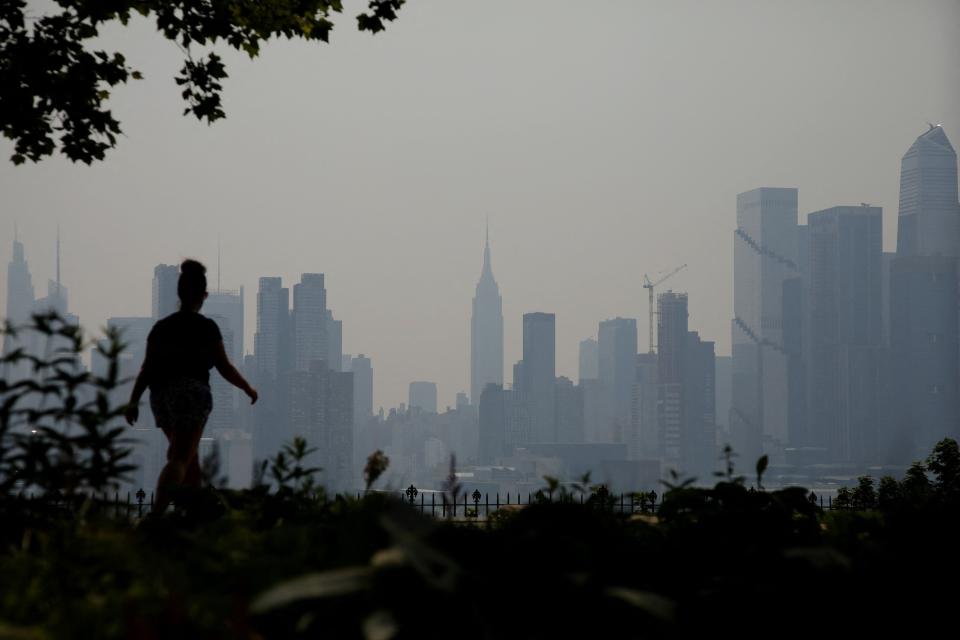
(314, 586)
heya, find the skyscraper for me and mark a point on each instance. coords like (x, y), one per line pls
(272, 339)
(165, 300)
(929, 219)
(537, 373)
(924, 283)
(589, 360)
(362, 388)
(229, 306)
(486, 331)
(617, 353)
(765, 255)
(19, 305)
(671, 352)
(423, 396)
(310, 323)
(844, 289)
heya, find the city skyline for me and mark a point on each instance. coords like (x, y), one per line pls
(623, 161)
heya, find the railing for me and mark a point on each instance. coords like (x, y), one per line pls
(476, 506)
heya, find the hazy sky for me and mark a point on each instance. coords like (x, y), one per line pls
(602, 139)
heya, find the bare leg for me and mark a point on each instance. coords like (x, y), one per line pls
(193, 477)
(182, 449)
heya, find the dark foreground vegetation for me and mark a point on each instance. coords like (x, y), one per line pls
(283, 560)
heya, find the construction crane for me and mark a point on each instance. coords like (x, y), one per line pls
(649, 285)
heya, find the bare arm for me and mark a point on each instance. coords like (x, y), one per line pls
(230, 373)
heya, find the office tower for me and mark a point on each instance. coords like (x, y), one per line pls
(924, 358)
(492, 422)
(309, 320)
(845, 279)
(362, 388)
(537, 373)
(765, 255)
(334, 349)
(929, 219)
(165, 299)
(924, 350)
(699, 435)
(272, 339)
(320, 406)
(273, 358)
(223, 417)
(19, 287)
(643, 441)
(671, 351)
(19, 307)
(569, 411)
(486, 331)
(423, 396)
(462, 401)
(589, 366)
(229, 306)
(723, 382)
(617, 351)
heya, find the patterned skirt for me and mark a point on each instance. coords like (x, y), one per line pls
(183, 403)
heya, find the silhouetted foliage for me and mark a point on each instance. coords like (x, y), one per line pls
(282, 559)
(54, 83)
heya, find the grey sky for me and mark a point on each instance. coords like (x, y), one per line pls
(603, 139)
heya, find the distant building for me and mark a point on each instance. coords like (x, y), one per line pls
(643, 440)
(334, 342)
(765, 255)
(272, 341)
(687, 390)
(309, 321)
(617, 350)
(362, 388)
(423, 396)
(846, 257)
(165, 299)
(537, 373)
(925, 349)
(20, 297)
(486, 331)
(589, 368)
(569, 411)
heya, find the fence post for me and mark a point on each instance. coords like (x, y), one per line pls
(486, 499)
(433, 505)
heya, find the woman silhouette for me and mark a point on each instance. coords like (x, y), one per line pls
(181, 350)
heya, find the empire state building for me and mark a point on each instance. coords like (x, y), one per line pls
(486, 332)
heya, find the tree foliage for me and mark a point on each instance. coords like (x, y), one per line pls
(55, 82)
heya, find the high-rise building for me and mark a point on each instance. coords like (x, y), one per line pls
(334, 330)
(272, 340)
(272, 346)
(310, 323)
(568, 411)
(671, 351)
(643, 440)
(537, 373)
(165, 299)
(924, 343)
(19, 306)
(362, 388)
(423, 396)
(929, 219)
(486, 331)
(765, 255)
(617, 354)
(589, 364)
(229, 306)
(687, 390)
(844, 293)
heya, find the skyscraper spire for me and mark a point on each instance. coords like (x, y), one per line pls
(487, 266)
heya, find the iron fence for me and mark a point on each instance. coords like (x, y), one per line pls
(475, 506)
